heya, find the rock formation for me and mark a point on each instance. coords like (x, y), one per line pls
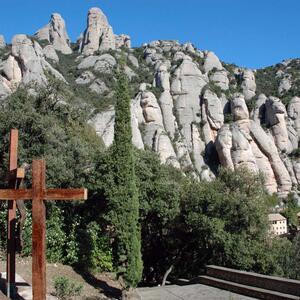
(56, 34)
(212, 62)
(155, 136)
(123, 40)
(248, 84)
(185, 104)
(276, 119)
(98, 34)
(245, 144)
(50, 53)
(25, 65)
(186, 87)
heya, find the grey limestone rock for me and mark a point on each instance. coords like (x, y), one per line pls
(103, 63)
(98, 34)
(186, 87)
(214, 109)
(50, 53)
(5, 89)
(211, 62)
(30, 58)
(85, 78)
(245, 144)
(276, 118)
(258, 113)
(12, 71)
(220, 79)
(133, 60)
(103, 123)
(129, 72)
(99, 87)
(248, 84)
(122, 40)
(56, 34)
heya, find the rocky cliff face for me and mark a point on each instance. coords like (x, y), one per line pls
(196, 112)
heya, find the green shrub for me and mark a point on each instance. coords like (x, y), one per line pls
(65, 288)
(55, 237)
(96, 253)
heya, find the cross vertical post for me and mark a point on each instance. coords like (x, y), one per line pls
(11, 216)
(38, 230)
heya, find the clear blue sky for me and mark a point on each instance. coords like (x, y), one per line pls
(252, 33)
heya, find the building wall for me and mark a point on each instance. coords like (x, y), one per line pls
(278, 227)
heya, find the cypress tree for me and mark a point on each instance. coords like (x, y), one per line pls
(123, 194)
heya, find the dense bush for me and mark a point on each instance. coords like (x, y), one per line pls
(66, 289)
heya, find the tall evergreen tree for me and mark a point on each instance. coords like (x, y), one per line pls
(123, 194)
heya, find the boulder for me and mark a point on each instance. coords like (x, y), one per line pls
(12, 71)
(220, 79)
(122, 40)
(5, 89)
(31, 60)
(105, 64)
(258, 113)
(189, 48)
(152, 56)
(214, 109)
(179, 55)
(50, 53)
(163, 146)
(98, 34)
(28, 56)
(248, 84)
(55, 33)
(276, 118)
(88, 62)
(129, 73)
(133, 60)
(162, 78)
(151, 110)
(85, 78)
(211, 62)
(99, 87)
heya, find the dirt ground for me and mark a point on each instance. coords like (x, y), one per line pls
(95, 287)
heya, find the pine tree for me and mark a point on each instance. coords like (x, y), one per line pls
(123, 194)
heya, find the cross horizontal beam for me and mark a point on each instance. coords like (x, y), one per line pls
(50, 194)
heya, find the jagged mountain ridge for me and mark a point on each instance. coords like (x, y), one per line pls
(192, 109)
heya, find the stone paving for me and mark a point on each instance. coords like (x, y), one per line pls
(188, 292)
(24, 290)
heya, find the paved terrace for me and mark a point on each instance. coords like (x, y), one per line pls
(188, 292)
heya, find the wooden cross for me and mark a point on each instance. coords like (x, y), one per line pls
(37, 194)
(14, 175)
